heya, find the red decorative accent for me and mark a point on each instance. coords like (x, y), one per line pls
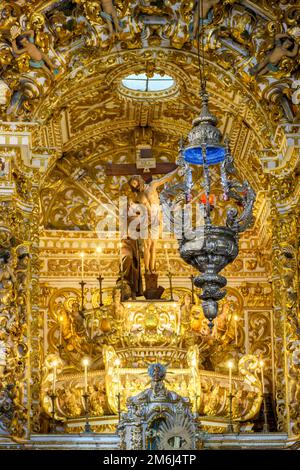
(210, 199)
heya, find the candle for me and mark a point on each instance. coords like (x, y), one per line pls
(61, 318)
(235, 328)
(261, 363)
(167, 258)
(54, 364)
(85, 365)
(82, 265)
(230, 366)
(99, 251)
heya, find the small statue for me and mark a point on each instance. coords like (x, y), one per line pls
(96, 399)
(118, 307)
(109, 13)
(5, 94)
(71, 402)
(24, 44)
(205, 11)
(283, 44)
(185, 309)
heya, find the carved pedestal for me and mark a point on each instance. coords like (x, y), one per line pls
(152, 291)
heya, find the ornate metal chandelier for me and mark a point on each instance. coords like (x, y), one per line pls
(209, 248)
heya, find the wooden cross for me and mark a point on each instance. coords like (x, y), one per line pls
(126, 169)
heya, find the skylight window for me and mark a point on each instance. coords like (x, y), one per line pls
(140, 82)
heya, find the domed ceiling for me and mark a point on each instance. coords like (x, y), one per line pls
(72, 84)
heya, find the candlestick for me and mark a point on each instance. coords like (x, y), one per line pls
(100, 279)
(61, 318)
(230, 425)
(82, 284)
(193, 288)
(235, 328)
(52, 425)
(167, 258)
(262, 376)
(119, 405)
(196, 404)
(230, 366)
(179, 321)
(230, 428)
(264, 395)
(92, 326)
(85, 363)
(117, 364)
(171, 285)
(99, 251)
(82, 265)
(54, 364)
(87, 427)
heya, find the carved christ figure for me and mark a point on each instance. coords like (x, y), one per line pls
(147, 197)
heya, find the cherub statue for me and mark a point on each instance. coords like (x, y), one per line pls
(24, 44)
(5, 94)
(96, 400)
(72, 402)
(282, 48)
(205, 16)
(109, 13)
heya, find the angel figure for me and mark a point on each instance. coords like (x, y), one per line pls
(109, 13)
(204, 14)
(24, 44)
(283, 48)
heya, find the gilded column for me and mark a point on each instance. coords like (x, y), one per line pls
(19, 269)
(285, 237)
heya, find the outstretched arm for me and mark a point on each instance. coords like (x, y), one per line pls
(15, 48)
(164, 179)
(294, 52)
(282, 35)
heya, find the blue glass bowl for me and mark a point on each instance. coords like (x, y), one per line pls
(214, 155)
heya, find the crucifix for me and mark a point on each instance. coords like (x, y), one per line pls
(144, 191)
(130, 169)
(146, 165)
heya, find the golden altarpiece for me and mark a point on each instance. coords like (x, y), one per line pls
(71, 131)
